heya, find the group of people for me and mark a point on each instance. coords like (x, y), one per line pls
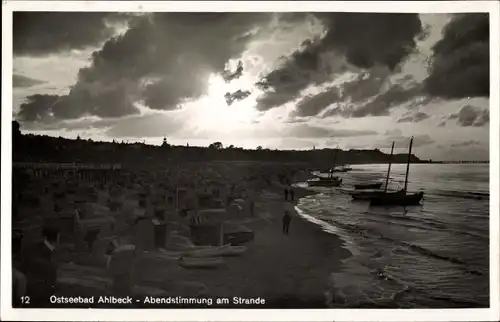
(289, 193)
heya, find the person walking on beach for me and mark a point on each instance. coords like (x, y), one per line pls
(286, 193)
(286, 222)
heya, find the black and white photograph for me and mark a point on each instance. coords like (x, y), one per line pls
(227, 155)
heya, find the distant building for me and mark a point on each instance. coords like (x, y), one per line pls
(165, 144)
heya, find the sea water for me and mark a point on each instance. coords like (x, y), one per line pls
(435, 255)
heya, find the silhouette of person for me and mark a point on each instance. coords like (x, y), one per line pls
(292, 194)
(286, 222)
(286, 194)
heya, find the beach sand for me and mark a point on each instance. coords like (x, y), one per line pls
(288, 271)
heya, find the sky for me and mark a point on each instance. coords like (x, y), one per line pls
(276, 80)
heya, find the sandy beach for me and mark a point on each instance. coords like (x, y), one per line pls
(288, 271)
(283, 270)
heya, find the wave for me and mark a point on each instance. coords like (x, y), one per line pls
(376, 234)
(462, 194)
(426, 224)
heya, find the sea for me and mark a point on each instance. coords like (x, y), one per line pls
(434, 255)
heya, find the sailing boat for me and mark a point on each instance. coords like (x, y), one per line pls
(402, 197)
(333, 168)
(342, 168)
(329, 181)
(367, 194)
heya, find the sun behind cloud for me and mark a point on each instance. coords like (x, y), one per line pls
(212, 112)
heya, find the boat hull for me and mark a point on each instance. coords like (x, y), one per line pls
(397, 199)
(368, 186)
(342, 170)
(201, 262)
(324, 183)
(226, 250)
(366, 195)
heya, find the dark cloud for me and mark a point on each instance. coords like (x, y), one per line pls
(364, 40)
(163, 59)
(236, 96)
(42, 33)
(465, 144)
(284, 84)
(23, 81)
(367, 84)
(483, 119)
(381, 105)
(471, 116)
(228, 76)
(414, 118)
(37, 107)
(384, 102)
(461, 59)
(111, 102)
(312, 105)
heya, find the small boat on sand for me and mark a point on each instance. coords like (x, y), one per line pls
(364, 186)
(225, 250)
(189, 262)
(203, 252)
(229, 250)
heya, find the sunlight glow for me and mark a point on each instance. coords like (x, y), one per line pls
(212, 112)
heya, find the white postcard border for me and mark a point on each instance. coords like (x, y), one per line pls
(7, 313)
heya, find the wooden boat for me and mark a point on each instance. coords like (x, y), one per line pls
(363, 186)
(341, 169)
(225, 250)
(368, 194)
(189, 262)
(237, 234)
(325, 182)
(398, 198)
(203, 253)
(401, 197)
(334, 167)
(229, 250)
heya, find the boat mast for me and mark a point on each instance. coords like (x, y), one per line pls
(334, 161)
(335, 156)
(408, 164)
(389, 169)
